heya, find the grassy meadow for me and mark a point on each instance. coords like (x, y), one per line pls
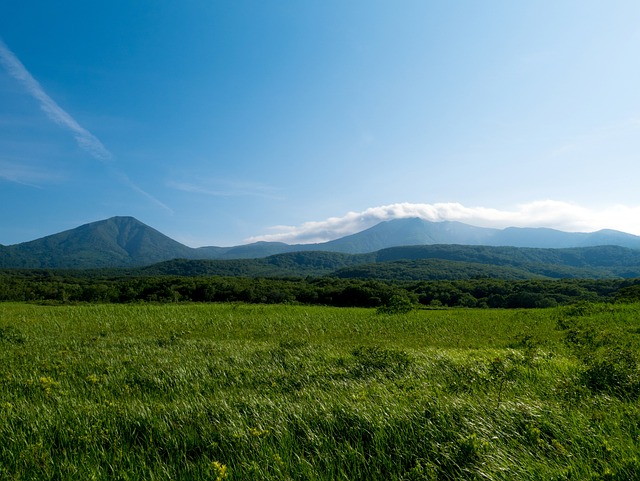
(282, 392)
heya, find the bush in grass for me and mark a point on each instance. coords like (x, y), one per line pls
(397, 305)
(613, 370)
(12, 335)
(421, 472)
(609, 363)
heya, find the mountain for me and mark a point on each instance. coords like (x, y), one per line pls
(115, 242)
(127, 242)
(414, 231)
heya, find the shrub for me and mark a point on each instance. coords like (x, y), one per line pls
(614, 370)
(397, 305)
(12, 335)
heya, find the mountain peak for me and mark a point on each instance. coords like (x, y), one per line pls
(124, 241)
(117, 241)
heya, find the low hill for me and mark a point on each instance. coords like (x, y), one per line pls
(505, 262)
(423, 262)
(433, 270)
(294, 264)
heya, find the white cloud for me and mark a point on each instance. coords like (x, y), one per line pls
(85, 139)
(547, 213)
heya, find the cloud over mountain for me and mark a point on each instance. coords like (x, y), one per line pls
(547, 213)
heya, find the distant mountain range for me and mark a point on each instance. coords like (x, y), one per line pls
(126, 242)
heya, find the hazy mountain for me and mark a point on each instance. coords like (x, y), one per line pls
(403, 232)
(127, 242)
(257, 249)
(414, 231)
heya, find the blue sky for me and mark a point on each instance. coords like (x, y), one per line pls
(220, 123)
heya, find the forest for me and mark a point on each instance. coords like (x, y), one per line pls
(57, 286)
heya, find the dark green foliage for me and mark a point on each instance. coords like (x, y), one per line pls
(98, 286)
(629, 294)
(298, 264)
(432, 269)
(397, 305)
(12, 335)
(613, 370)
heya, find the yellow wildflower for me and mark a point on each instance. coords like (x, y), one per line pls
(219, 470)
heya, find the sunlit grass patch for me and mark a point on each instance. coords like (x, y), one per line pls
(291, 392)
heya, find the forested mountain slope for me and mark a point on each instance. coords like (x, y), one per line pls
(423, 262)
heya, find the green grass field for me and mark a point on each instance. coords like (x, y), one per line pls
(243, 392)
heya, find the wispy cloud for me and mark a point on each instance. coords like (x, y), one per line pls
(125, 180)
(225, 188)
(25, 174)
(547, 213)
(85, 139)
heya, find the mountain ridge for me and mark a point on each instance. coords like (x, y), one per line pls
(427, 262)
(124, 241)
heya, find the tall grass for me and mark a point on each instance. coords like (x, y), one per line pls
(288, 392)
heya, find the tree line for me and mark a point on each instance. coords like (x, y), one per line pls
(53, 286)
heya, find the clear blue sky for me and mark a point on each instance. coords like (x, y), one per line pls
(215, 122)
